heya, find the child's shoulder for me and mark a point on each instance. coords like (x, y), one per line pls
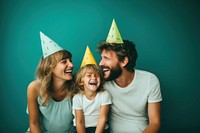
(78, 95)
(104, 93)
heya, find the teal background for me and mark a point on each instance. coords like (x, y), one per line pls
(166, 32)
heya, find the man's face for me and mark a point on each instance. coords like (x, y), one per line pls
(110, 65)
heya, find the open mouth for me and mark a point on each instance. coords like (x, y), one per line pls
(92, 83)
(105, 70)
(68, 72)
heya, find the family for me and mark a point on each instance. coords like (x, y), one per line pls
(109, 97)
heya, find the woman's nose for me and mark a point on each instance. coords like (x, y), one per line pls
(71, 64)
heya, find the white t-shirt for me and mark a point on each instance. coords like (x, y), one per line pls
(91, 108)
(129, 107)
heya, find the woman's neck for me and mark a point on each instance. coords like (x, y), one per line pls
(58, 91)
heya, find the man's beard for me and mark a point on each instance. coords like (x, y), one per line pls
(114, 73)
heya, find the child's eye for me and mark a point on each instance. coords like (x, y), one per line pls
(97, 75)
(88, 75)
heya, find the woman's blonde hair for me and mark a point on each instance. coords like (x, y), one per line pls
(89, 68)
(44, 74)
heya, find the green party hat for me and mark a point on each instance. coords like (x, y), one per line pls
(48, 45)
(114, 35)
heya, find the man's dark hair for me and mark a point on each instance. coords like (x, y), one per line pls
(126, 49)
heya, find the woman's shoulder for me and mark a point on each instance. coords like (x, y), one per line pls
(33, 88)
(33, 83)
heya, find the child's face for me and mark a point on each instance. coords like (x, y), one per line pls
(91, 82)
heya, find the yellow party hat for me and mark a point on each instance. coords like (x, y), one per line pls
(114, 35)
(88, 58)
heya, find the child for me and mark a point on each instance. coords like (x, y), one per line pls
(91, 103)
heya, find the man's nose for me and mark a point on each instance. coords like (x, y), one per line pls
(101, 63)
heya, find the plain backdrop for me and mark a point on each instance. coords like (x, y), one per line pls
(166, 34)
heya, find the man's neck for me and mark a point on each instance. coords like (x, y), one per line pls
(125, 78)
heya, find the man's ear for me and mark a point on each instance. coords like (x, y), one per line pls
(124, 62)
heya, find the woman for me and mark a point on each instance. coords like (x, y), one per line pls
(49, 96)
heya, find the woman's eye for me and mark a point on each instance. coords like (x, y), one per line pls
(63, 61)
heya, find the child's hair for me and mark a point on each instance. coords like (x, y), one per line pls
(44, 74)
(89, 68)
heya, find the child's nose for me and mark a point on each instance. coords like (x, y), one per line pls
(93, 76)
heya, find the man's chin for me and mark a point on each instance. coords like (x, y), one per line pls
(108, 78)
(106, 75)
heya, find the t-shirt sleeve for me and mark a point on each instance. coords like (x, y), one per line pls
(106, 98)
(155, 92)
(77, 102)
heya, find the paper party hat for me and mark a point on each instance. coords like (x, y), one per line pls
(88, 58)
(48, 45)
(114, 35)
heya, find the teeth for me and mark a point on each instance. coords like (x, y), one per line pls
(105, 70)
(68, 71)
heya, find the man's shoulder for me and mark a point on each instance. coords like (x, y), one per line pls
(144, 72)
(146, 75)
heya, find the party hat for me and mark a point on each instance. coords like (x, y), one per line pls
(48, 45)
(114, 35)
(88, 58)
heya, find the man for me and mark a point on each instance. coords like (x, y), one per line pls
(135, 93)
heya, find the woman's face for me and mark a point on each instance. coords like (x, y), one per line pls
(63, 69)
